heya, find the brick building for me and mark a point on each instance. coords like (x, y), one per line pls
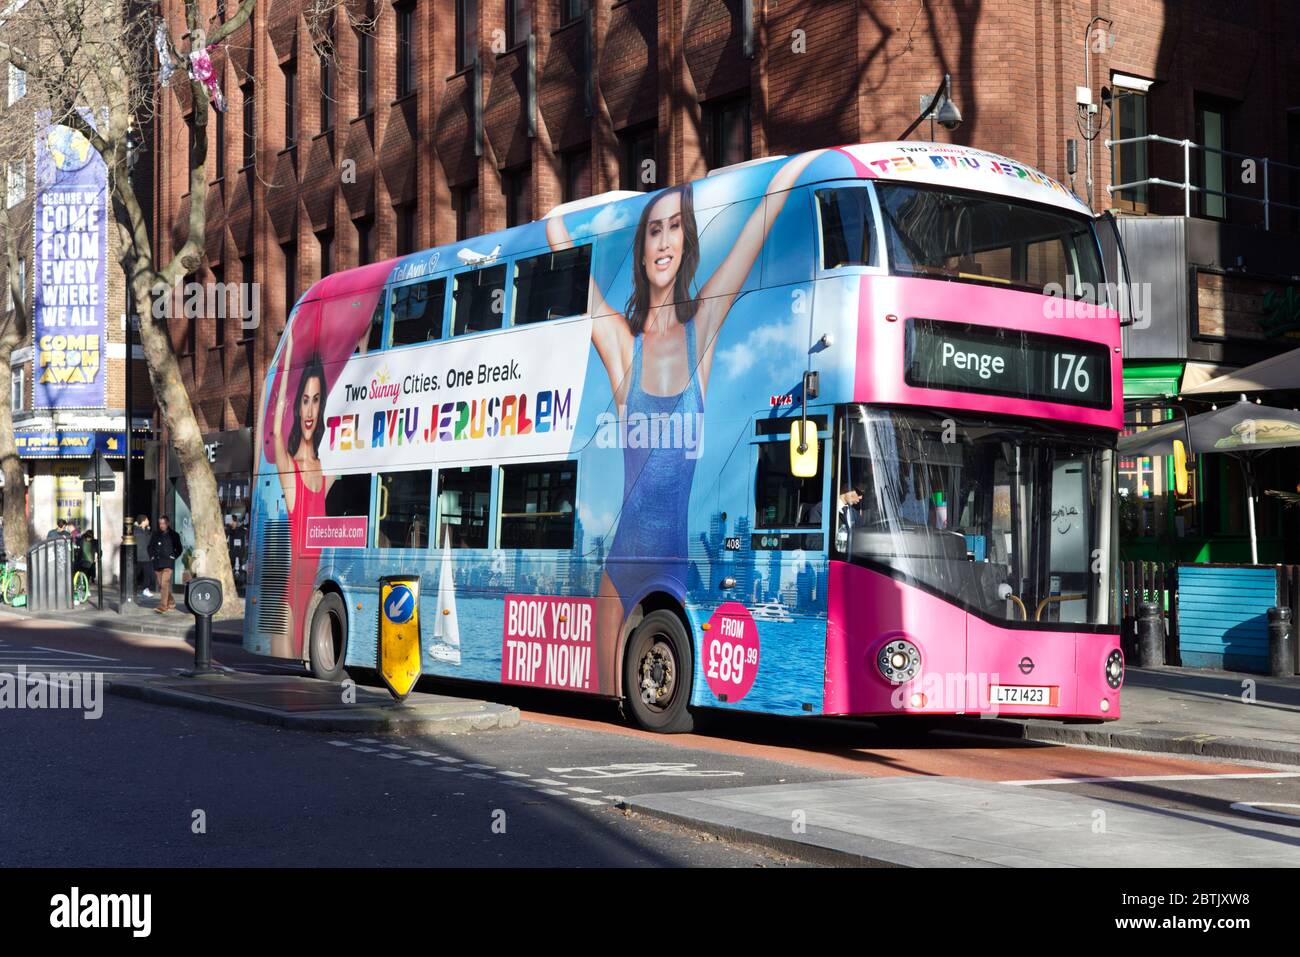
(457, 117)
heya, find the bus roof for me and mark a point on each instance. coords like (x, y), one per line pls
(931, 164)
(961, 167)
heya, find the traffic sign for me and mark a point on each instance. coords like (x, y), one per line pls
(399, 633)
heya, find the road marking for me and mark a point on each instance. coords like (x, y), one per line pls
(480, 767)
(418, 763)
(512, 774)
(395, 757)
(341, 744)
(367, 750)
(79, 654)
(584, 790)
(553, 791)
(588, 801)
(647, 770)
(1144, 778)
(425, 754)
(1257, 807)
(549, 782)
(441, 757)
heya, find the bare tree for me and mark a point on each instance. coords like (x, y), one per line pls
(13, 332)
(94, 63)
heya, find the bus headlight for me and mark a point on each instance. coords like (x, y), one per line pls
(1115, 669)
(899, 661)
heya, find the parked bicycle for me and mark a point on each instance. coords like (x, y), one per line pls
(13, 585)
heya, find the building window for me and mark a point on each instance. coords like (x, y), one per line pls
(403, 517)
(1212, 134)
(726, 129)
(325, 245)
(537, 505)
(365, 241)
(479, 300)
(222, 302)
(639, 167)
(16, 185)
(466, 33)
(576, 170)
(17, 84)
(519, 21)
(365, 79)
(18, 389)
(407, 239)
(250, 121)
(465, 201)
(1129, 161)
(405, 48)
(290, 250)
(464, 499)
(571, 11)
(221, 145)
(290, 103)
(326, 87)
(515, 183)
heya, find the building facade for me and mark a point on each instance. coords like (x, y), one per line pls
(377, 128)
(68, 390)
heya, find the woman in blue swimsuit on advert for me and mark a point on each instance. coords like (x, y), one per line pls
(658, 353)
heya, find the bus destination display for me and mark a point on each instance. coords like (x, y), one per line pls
(967, 358)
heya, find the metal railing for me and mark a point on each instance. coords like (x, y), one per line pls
(1188, 187)
(49, 575)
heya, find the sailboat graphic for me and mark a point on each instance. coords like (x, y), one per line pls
(446, 629)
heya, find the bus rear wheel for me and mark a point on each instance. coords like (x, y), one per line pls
(658, 673)
(329, 638)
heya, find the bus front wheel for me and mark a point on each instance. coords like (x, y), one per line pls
(658, 673)
(329, 638)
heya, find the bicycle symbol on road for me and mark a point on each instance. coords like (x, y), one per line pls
(650, 770)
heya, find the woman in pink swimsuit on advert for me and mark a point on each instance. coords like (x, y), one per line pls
(304, 484)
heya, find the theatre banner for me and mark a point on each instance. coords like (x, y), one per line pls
(71, 238)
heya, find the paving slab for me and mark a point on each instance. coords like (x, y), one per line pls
(954, 822)
(1215, 714)
(313, 705)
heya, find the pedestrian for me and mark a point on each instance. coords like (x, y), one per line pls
(143, 563)
(60, 530)
(164, 549)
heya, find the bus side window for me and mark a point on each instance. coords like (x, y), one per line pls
(537, 505)
(348, 496)
(464, 498)
(848, 228)
(417, 312)
(552, 285)
(479, 300)
(780, 499)
(402, 520)
(788, 252)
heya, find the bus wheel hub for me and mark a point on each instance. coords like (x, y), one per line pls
(657, 674)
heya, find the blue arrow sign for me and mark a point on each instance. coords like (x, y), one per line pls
(400, 605)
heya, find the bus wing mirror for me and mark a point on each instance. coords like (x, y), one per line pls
(803, 449)
(1180, 467)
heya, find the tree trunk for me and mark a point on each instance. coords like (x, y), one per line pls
(16, 535)
(211, 558)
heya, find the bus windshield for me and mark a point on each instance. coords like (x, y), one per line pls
(1010, 519)
(974, 237)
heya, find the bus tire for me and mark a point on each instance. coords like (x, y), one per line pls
(658, 671)
(329, 638)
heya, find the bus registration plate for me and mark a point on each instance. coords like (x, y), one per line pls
(1023, 694)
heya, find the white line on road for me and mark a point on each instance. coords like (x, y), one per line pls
(1140, 778)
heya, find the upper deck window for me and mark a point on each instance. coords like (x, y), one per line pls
(552, 285)
(479, 300)
(972, 237)
(417, 312)
(848, 227)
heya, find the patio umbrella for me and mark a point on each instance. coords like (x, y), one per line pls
(1243, 429)
(1273, 374)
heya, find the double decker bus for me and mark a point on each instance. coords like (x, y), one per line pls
(829, 434)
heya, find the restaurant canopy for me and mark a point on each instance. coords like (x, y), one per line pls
(1272, 375)
(1243, 429)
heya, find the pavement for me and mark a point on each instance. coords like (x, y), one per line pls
(951, 822)
(310, 705)
(141, 617)
(1217, 714)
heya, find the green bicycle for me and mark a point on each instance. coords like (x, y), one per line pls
(11, 585)
(80, 588)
